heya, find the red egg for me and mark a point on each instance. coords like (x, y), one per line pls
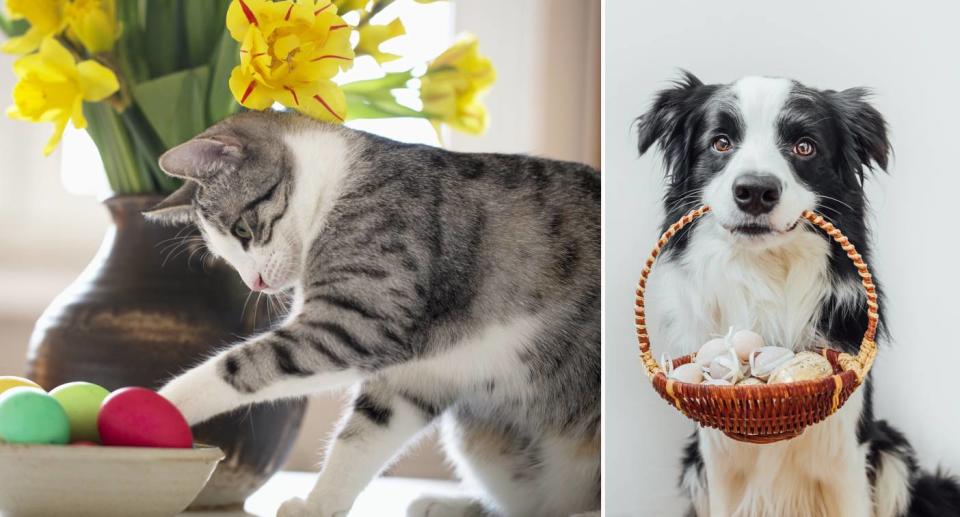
(138, 417)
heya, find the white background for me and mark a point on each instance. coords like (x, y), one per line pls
(908, 53)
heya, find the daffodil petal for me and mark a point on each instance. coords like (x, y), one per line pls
(46, 14)
(79, 121)
(453, 85)
(241, 15)
(59, 125)
(323, 100)
(303, 12)
(57, 56)
(248, 91)
(372, 36)
(14, 113)
(27, 43)
(285, 45)
(254, 49)
(95, 30)
(96, 81)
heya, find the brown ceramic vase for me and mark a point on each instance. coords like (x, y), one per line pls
(136, 317)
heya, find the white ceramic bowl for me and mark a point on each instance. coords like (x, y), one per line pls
(56, 480)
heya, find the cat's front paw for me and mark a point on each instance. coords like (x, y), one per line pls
(200, 394)
(438, 506)
(298, 507)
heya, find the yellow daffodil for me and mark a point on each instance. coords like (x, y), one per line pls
(371, 36)
(52, 87)
(289, 51)
(453, 85)
(46, 19)
(93, 23)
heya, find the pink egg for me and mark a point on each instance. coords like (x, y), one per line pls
(138, 417)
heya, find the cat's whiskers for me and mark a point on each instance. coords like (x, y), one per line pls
(243, 311)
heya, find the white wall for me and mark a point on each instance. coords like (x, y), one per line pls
(908, 55)
(546, 99)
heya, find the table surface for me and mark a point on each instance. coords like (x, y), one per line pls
(384, 497)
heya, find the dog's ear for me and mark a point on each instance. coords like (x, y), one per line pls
(866, 142)
(669, 122)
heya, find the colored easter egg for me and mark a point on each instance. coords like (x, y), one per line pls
(30, 415)
(9, 381)
(138, 417)
(81, 401)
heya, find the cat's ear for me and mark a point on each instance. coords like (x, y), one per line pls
(201, 158)
(177, 207)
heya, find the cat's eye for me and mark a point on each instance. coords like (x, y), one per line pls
(721, 144)
(242, 230)
(804, 147)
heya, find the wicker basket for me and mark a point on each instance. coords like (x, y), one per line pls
(771, 412)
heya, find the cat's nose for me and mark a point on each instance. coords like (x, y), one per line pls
(259, 284)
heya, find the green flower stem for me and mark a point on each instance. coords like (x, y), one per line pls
(120, 158)
(386, 83)
(96, 127)
(148, 146)
(136, 178)
(377, 106)
(378, 5)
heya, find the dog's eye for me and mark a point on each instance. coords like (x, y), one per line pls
(722, 144)
(804, 147)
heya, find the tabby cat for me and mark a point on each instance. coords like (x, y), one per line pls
(449, 289)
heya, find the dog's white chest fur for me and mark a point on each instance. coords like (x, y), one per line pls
(778, 292)
(715, 284)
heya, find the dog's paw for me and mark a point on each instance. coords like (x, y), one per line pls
(298, 507)
(435, 506)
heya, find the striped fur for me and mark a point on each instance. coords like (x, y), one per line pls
(445, 286)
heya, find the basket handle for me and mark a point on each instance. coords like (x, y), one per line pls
(859, 364)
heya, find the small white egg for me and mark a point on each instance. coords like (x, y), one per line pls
(717, 382)
(745, 342)
(750, 381)
(766, 359)
(690, 372)
(710, 350)
(726, 366)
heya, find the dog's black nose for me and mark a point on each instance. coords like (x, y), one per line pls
(756, 194)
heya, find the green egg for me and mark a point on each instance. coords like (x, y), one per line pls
(30, 415)
(81, 401)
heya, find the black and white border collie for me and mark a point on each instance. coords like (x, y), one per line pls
(759, 151)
